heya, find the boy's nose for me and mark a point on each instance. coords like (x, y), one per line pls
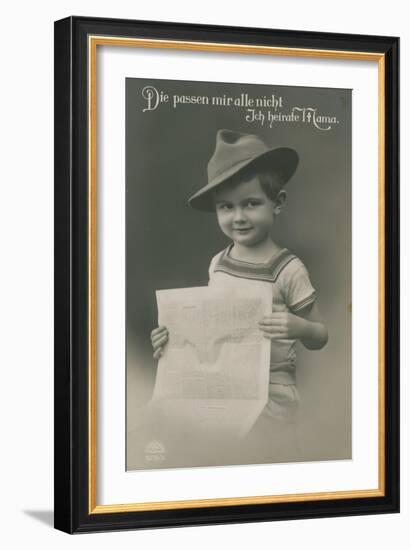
(238, 215)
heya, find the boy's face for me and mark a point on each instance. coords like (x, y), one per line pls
(245, 213)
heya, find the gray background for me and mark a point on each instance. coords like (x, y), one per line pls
(169, 245)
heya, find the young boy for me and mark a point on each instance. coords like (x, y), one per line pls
(245, 189)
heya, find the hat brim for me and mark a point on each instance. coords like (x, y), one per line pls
(282, 161)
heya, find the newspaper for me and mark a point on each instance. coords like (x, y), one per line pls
(214, 372)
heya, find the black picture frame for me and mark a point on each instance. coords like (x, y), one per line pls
(75, 509)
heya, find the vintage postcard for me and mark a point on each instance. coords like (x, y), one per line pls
(238, 274)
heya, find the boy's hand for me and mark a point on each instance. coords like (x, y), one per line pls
(283, 325)
(159, 339)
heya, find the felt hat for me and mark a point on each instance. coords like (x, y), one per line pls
(235, 151)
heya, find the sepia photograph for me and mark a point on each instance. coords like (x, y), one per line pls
(238, 274)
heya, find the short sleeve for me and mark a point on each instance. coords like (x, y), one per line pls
(296, 287)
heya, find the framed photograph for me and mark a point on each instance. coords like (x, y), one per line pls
(226, 274)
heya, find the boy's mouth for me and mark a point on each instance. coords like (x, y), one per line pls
(242, 229)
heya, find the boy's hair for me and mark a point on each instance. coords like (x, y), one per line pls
(270, 182)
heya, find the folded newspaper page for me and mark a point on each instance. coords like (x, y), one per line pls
(213, 376)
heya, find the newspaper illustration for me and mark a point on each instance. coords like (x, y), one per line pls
(214, 372)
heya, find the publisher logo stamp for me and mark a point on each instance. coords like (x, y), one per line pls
(155, 451)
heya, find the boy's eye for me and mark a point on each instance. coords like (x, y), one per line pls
(252, 204)
(224, 207)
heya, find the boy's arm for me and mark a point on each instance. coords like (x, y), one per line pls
(306, 326)
(314, 334)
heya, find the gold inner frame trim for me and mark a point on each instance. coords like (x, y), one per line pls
(93, 42)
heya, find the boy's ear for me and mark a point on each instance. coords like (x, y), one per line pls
(280, 201)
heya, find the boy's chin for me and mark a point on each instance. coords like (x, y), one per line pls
(245, 240)
(249, 240)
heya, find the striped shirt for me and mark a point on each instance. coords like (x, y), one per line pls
(291, 291)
